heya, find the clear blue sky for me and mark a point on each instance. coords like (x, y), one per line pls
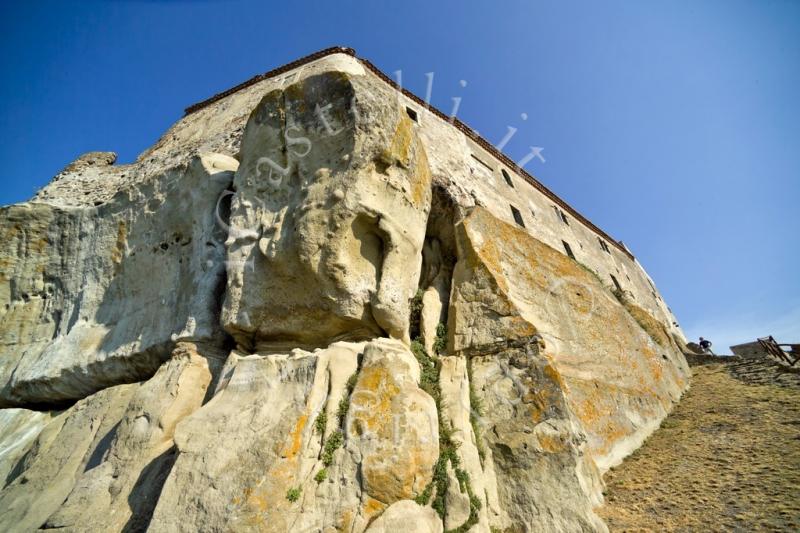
(673, 125)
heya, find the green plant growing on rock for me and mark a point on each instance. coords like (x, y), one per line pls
(293, 494)
(440, 344)
(344, 403)
(321, 476)
(476, 411)
(344, 406)
(336, 439)
(430, 369)
(321, 422)
(333, 443)
(415, 308)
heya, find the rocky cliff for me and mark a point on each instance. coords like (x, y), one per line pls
(301, 310)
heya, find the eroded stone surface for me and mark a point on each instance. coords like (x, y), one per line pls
(121, 492)
(329, 216)
(406, 515)
(393, 424)
(70, 444)
(509, 287)
(95, 297)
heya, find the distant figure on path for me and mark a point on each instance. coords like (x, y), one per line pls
(705, 344)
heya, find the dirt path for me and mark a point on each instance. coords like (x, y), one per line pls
(727, 459)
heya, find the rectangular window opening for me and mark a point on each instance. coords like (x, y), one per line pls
(411, 114)
(482, 162)
(616, 283)
(568, 249)
(603, 245)
(507, 178)
(560, 214)
(517, 216)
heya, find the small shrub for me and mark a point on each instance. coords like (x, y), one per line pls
(476, 411)
(321, 475)
(331, 445)
(440, 344)
(429, 370)
(321, 422)
(344, 405)
(425, 496)
(463, 478)
(415, 311)
(293, 494)
(351, 383)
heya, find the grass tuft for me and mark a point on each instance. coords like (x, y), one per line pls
(293, 494)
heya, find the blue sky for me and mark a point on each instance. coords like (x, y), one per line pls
(675, 126)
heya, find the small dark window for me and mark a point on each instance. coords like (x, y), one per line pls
(533, 213)
(560, 214)
(411, 114)
(603, 245)
(517, 216)
(568, 249)
(507, 178)
(616, 283)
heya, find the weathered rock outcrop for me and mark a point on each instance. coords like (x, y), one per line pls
(292, 314)
(98, 296)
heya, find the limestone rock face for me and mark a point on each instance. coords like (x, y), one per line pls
(121, 492)
(20, 428)
(329, 216)
(393, 423)
(69, 445)
(97, 296)
(292, 314)
(533, 444)
(406, 515)
(621, 381)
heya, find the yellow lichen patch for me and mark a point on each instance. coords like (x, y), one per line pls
(40, 245)
(421, 178)
(551, 372)
(371, 401)
(405, 146)
(399, 150)
(345, 521)
(371, 508)
(91, 340)
(552, 443)
(296, 438)
(118, 253)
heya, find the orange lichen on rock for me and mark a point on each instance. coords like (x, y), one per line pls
(611, 372)
(394, 423)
